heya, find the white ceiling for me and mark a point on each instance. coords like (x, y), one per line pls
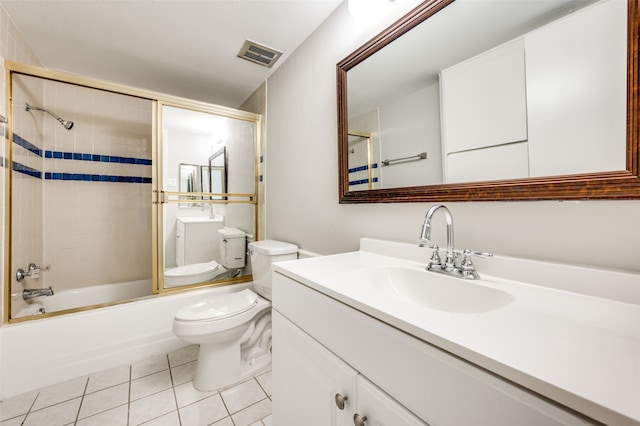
(184, 48)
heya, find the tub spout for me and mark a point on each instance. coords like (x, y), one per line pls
(30, 293)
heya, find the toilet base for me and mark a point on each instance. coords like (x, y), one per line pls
(222, 365)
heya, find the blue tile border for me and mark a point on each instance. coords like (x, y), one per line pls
(78, 156)
(21, 168)
(362, 168)
(362, 181)
(18, 140)
(95, 178)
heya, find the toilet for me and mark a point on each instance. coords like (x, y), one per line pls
(234, 330)
(232, 244)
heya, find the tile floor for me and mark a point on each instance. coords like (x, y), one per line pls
(154, 392)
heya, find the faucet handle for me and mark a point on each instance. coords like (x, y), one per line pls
(466, 266)
(435, 262)
(482, 254)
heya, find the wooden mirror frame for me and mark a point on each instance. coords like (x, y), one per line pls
(623, 184)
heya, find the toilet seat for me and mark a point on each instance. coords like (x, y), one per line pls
(219, 314)
(219, 308)
(190, 274)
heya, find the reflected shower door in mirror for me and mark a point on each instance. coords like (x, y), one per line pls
(209, 176)
(80, 208)
(494, 100)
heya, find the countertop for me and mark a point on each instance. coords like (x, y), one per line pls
(580, 350)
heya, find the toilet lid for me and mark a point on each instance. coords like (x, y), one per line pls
(219, 307)
(192, 270)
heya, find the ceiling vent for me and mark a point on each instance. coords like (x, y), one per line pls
(258, 54)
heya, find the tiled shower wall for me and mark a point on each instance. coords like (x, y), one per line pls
(12, 48)
(96, 184)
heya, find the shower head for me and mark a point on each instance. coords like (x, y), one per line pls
(67, 124)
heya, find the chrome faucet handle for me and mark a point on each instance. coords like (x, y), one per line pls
(467, 269)
(482, 254)
(435, 262)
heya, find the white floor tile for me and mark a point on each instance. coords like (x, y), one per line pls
(183, 373)
(145, 393)
(242, 395)
(186, 394)
(16, 421)
(55, 415)
(149, 366)
(61, 392)
(152, 406)
(115, 417)
(252, 413)
(265, 381)
(170, 419)
(16, 405)
(104, 400)
(203, 412)
(107, 378)
(183, 355)
(224, 422)
(151, 384)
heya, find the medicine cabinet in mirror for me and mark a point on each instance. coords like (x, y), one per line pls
(493, 100)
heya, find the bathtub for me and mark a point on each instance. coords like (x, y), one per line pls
(38, 353)
(87, 296)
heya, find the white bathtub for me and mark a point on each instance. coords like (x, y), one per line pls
(87, 296)
(38, 353)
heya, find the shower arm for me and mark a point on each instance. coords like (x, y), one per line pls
(67, 124)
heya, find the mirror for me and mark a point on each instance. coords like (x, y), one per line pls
(482, 115)
(204, 178)
(210, 182)
(190, 181)
(216, 173)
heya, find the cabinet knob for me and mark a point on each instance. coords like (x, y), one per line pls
(359, 420)
(340, 400)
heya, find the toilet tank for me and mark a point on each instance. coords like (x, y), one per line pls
(233, 248)
(263, 254)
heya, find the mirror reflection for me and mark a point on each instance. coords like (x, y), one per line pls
(542, 93)
(209, 168)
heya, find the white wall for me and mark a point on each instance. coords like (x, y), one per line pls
(411, 125)
(302, 179)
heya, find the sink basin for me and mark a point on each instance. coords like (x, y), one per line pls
(429, 289)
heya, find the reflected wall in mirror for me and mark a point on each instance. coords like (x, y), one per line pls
(190, 180)
(533, 100)
(209, 174)
(217, 173)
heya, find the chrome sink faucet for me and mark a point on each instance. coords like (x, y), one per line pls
(425, 236)
(465, 269)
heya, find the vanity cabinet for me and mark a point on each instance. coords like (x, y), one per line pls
(323, 345)
(313, 386)
(197, 240)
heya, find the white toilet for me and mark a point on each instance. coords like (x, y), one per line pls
(234, 330)
(232, 244)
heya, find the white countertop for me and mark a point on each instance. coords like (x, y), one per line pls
(580, 350)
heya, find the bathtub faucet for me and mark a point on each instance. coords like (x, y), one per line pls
(30, 293)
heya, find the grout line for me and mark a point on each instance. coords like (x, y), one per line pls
(30, 408)
(173, 388)
(86, 386)
(129, 396)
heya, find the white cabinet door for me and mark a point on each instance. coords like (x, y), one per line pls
(376, 408)
(306, 379)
